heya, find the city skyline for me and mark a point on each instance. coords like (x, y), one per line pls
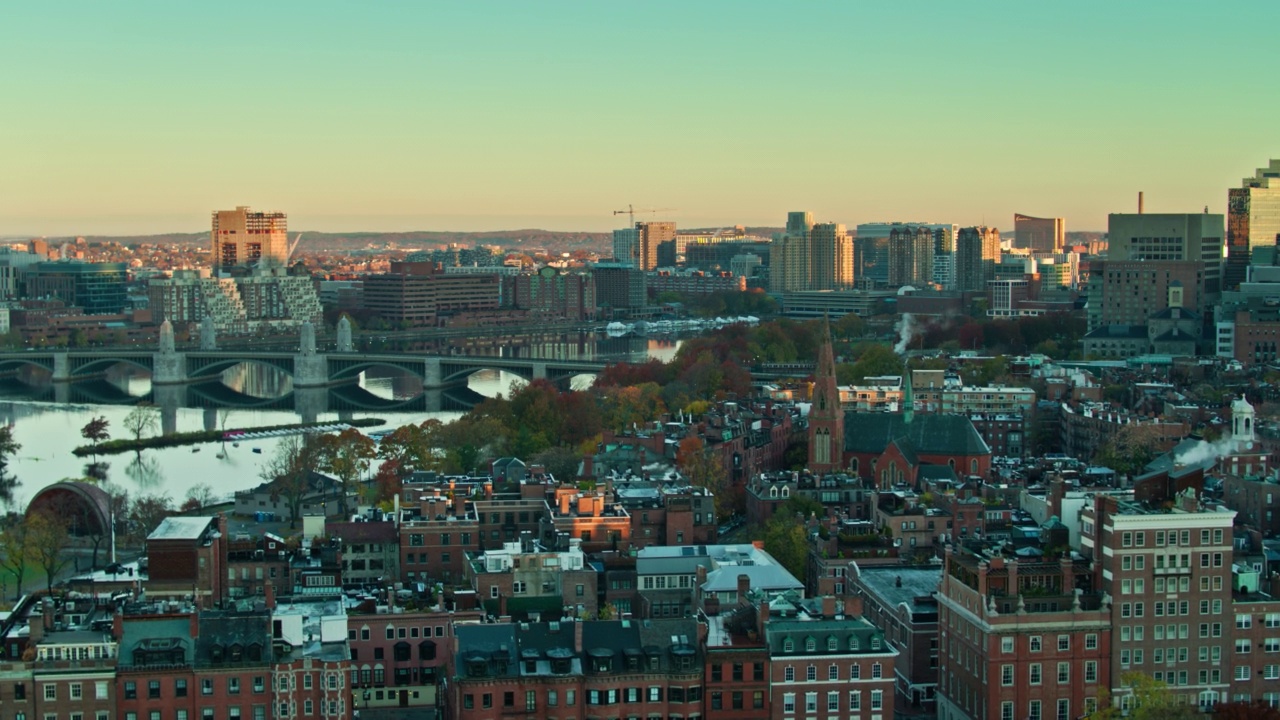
(140, 119)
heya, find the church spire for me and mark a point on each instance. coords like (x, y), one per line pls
(826, 417)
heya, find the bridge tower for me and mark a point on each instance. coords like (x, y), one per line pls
(345, 344)
(208, 337)
(169, 366)
(309, 369)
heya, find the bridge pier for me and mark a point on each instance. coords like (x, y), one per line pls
(539, 371)
(168, 368)
(432, 375)
(61, 368)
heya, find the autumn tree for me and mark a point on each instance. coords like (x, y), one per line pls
(562, 462)
(1152, 700)
(1241, 710)
(143, 418)
(199, 497)
(347, 456)
(16, 550)
(1130, 448)
(95, 431)
(49, 538)
(705, 469)
(785, 540)
(146, 512)
(288, 472)
(8, 448)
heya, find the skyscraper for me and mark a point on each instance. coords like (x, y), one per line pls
(1042, 235)
(790, 255)
(977, 250)
(639, 245)
(1253, 220)
(830, 257)
(911, 250)
(242, 237)
(871, 247)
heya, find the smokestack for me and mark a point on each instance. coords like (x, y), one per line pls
(1140, 202)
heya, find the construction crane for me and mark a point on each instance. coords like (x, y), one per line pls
(631, 212)
(292, 247)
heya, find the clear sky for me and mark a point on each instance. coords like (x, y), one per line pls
(145, 116)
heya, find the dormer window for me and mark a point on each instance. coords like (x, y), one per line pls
(810, 644)
(215, 653)
(875, 642)
(788, 645)
(832, 644)
(853, 644)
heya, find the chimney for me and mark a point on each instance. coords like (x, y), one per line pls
(564, 503)
(270, 595)
(577, 636)
(762, 616)
(852, 606)
(702, 575)
(828, 606)
(1140, 203)
(744, 587)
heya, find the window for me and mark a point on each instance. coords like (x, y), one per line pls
(1006, 710)
(1091, 670)
(153, 689)
(1035, 673)
(757, 699)
(1064, 643)
(1033, 712)
(1006, 675)
(553, 698)
(789, 703)
(1271, 672)
(101, 690)
(789, 674)
(717, 701)
(855, 700)
(833, 672)
(833, 702)
(1006, 644)
(811, 673)
(206, 686)
(180, 687)
(1064, 705)
(1243, 646)
(77, 691)
(1244, 621)
(530, 700)
(876, 670)
(1035, 643)
(811, 702)
(1242, 672)
(233, 685)
(1064, 673)
(1091, 642)
(50, 691)
(130, 690)
(757, 671)
(877, 699)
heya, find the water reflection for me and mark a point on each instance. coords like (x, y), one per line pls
(144, 470)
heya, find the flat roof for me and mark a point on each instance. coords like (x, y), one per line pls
(915, 583)
(181, 528)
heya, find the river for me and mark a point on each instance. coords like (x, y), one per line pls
(48, 431)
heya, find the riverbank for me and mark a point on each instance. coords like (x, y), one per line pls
(123, 445)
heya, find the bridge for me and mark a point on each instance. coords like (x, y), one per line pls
(307, 367)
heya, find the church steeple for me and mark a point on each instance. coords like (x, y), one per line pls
(826, 417)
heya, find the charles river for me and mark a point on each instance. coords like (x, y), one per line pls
(49, 430)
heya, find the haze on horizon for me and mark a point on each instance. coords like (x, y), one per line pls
(144, 117)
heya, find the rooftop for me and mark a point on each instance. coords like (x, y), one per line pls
(182, 528)
(908, 586)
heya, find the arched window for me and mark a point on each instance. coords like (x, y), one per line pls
(773, 491)
(853, 465)
(973, 466)
(832, 643)
(788, 645)
(853, 644)
(810, 644)
(786, 491)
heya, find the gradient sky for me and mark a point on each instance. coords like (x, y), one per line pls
(145, 116)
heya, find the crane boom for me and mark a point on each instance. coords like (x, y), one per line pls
(631, 211)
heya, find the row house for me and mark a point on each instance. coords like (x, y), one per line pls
(434, 540)
(593, 517)
(843, 493)
(826, 661)
(668, 513)
(252, 562)
(737, 665)
(525, 579)
(679, 581)
(63, 665)
(900, 601)
(597, 668)
(370, 550)
(401, 657)
(1086, 427)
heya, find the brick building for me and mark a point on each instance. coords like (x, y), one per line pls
(524, 579)
(900, 601)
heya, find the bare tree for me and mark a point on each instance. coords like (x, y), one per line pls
(143, 418)
(289, 472)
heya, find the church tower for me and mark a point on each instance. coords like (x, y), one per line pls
(826, 417)
(1242, 427)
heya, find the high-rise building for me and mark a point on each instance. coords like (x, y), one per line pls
(911, 251)
(830, 257)
(639, 245)
(977, 250)
(871, 247)
(1044, 235)
(242, 237)
(1170, 236)
(1253, 220)
(620, 286)
(789, 260)
(419, 293)
(552, 293)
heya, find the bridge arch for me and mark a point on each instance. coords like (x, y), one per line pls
(211, 367)
(342, 369)
(92, 366)
(42, 362)
(451, 374)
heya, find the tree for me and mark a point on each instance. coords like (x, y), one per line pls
(705, 469)
(49, 538)
(1130, 449)
(289, 472)
(874, 360)
(95, 431)
(16, 550)
(8, 448)
(147, 512)
(562, 462)
(784, 539)
(1151, 701)
(143, 418)
(199, 497)
(347, 456)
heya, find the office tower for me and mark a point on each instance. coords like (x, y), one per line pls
(830, 257)
(242, 237)
(1253, 220)
(639, 245)
(1042, 235)
(911, 250)
(626, 245)
(620, 286)
(1170, 236)
(977, 250)
(98, 288)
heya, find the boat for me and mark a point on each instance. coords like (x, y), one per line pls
(235, 444)
(220, 456)
(258, 450)
(195, 450)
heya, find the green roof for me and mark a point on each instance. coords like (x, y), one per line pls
(928, 433)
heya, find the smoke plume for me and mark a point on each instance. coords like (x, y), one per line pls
(906, 328)
(1205, 451)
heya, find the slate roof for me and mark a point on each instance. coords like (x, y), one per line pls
(1121, 332)
(843, 631)
(929, 434)
(1183, 314)
(223, 630)
(363, 532)
(181, 528)
(937, 473)
(1174, 335)
(139, 634)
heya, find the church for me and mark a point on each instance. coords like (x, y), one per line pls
(888, 449)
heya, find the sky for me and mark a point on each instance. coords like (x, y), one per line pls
(142, 117)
